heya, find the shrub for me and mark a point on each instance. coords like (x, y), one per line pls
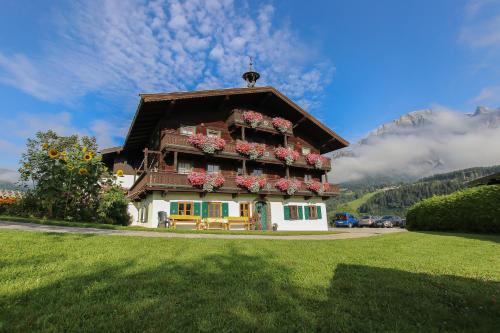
(113, 206)
(470, 210)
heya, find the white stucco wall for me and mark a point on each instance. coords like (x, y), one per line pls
(126, 181)
(156, 202)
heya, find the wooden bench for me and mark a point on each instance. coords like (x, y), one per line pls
(239, 220)
(215, 223)
(185, 220)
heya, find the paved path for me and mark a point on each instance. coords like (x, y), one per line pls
(347, 233)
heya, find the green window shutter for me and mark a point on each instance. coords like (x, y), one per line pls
(197, 209)
(318, 208)
(301, 216)
(307, 213)
(286, 212)
(204, 209)
(174, 208)
(225, 209)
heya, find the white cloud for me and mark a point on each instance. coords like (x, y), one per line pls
(123, 47)
(8, 175)
(482, 26)
(445, 141)
(489, 96)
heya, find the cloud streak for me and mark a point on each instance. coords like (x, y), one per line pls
(422, 144)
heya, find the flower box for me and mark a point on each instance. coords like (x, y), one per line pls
(206, 181)
(288, 155)
(290, 186)
(207, 144)
(252, 150)
(252, 183)
(253, 118)
(317, 187)
(316, 160)
(281, 124)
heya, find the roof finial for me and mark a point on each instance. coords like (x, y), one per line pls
(251, 76)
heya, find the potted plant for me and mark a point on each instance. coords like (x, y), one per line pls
(252, 183)
(316, 160)
(253, 118)
(208, 182)
(252, 150)
(288, 155)
(207, 144)
(290, 186)
(317, 187)
(281, 124)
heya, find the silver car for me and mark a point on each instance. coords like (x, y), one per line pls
(367, 221)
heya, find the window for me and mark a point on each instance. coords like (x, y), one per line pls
(245, 209)
(143, 214)
(257, 172)
(188, 130)
(213, 168)
(294, 212)
(184, 167)
(313, 212)
(185, 208)
(239, 171)
(214, 209)
(213, 133)
(306, 150)
(307, 177)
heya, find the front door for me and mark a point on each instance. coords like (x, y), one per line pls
(260, 207)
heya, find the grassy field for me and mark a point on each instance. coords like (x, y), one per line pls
(182, 231)
(409, 282)
(352, 206)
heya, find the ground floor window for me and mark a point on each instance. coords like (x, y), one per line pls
(313, 212)
(185, 208)
(143, 214)
(245, 209)
(214, 209)
(294, 212)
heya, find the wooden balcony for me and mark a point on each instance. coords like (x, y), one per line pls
(166, 181)
(177, 142)
(236, 120)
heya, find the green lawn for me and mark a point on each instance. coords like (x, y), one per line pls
(181, 231)
(352, 206)
(408, 282)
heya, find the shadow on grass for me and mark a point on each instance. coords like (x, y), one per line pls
(235, 292)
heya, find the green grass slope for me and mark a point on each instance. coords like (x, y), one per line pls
(410, 282)
(353, 206)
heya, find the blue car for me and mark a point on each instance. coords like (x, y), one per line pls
(345, 220)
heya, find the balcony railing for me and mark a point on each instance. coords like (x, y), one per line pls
(171, 141)
(160, 180)
(236, 119)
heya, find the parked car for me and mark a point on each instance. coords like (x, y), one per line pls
(345, 220)
(389, 221)
(367, 221)
(403, 223)
(383, 223)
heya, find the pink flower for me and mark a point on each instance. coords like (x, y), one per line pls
(208, 144)
(252, 183)
(281, 124)
(317, 160)
(317, 187)
(290, 186)
(252, 150)
(286, 154)
(208, 182)
(253, 118)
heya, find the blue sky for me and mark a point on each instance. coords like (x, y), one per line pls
(77, 66)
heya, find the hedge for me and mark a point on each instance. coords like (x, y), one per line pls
(474, 209)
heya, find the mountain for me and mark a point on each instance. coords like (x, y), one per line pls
(421, 143)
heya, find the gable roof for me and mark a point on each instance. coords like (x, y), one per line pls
(152, 107)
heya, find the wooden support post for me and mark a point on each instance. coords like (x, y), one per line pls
(326, 176)
(244, 167)
(286, 141)
(242, 132)
(146, 164)
(175, 160)
(287, 172)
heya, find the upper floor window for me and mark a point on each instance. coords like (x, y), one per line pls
(213, 168)
(307, 177)
(257, 172)
(239, 171)
(213, 133)
(306, 150)
(184, 167)
(188, 130)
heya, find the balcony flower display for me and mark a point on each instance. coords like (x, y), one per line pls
(288, 155)
(317, 160)
(207, 144)
(206, 181)
(281, 124)
(290, 186)
(252, 150)
(253, 118)
(252, 183)
(318, 187)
